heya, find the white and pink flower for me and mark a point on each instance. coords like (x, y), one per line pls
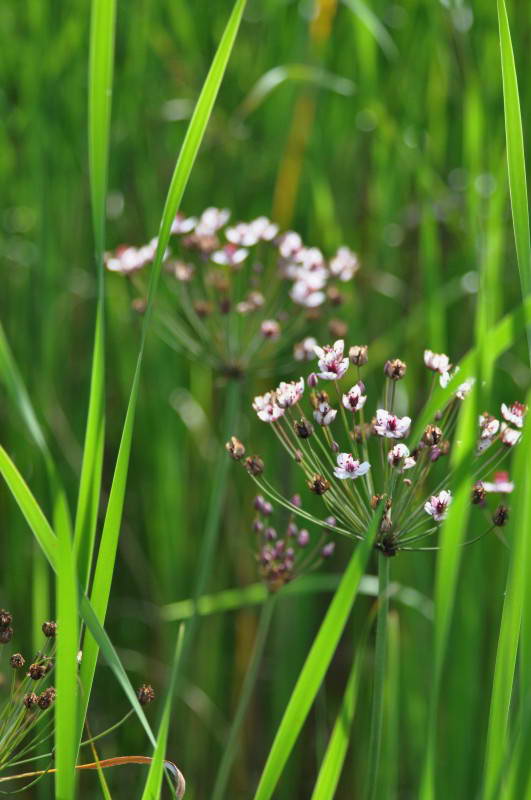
(305, 350)
(509, 437)
(270, 329)
(332, 362)
(344, 264)
(488, 427)
(127, 260)
(501, 484)
(264, 229)
(211, 220)
(350, 467)
(438, 362)
(289, 394)
(399, 457)
(354, 399)
(290, 243)
(515, 413)
(324, 414)
(183, 224)
(242, 235)
(267, 408)
(391, 426)
(304, 295)
(230, 255)
(437, 505)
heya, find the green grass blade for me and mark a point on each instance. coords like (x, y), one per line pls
(496, 748)
(15, 385)
(45, 537)
(334, 758)
(315, 666)
(451, 538)
(153, 783)
(102, 29)
(257, 593)
(515, 152)
(111, 529)
(66, 708)
(378, 30)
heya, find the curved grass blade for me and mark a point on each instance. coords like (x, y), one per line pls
(515, 154)
(373, 24)
(334, 758)
(102, 29)
(257, 593)
(48, 543)
(154, 779)
(316, 665)
(111, 529)
(502, 689)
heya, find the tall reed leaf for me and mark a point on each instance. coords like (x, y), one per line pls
(515, 153)
(48, 543)
(111, 529)
(451, 539)
(154, 779)
(101, 58)
(334, 758)
(315, 666)
(10, 375)
(66, 709)
(496, 749)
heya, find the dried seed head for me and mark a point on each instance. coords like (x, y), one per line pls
(318, 484)
(376, 499)
(303, 428)
(334, 296)
(6, 618)
(224, 305)
(145, 694)
(49, 629)
(254, 465)
(36, 671)
(395, 369)
(30, 700)
(17, 660)
(46, 699)
(139, 305)
(478, 494)
(298, 456)
(235, 448)
(338, 329)
(203, 308)
(432, 435)
(6, 634)
(500, 516)
(359, 355)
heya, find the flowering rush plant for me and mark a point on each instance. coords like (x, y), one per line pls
(356, 460)
(233, 286)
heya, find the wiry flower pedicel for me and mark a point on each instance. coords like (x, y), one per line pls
(355, 467)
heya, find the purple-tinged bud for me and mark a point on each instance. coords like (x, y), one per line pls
(361, 387)
(290, 553)
(328, 550)
(304, 538)
(358, 355)
(296, 500)
(262, 505)
(258, 526)
(334, 447)
(292, 530)
(298, 456)
(435, 453)
(330, 522)
(312, 380)
(407, 482)
(338, 329)
(280, 546)
(270, 534)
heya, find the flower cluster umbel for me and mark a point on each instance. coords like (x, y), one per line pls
(371, 463)
(230, 285)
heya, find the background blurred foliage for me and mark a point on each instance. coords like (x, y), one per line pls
(377, 126)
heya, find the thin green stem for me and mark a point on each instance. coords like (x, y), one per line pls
(375, 740)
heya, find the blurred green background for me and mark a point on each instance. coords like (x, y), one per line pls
(379, 126)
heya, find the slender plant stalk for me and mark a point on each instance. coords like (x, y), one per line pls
(249, 683)
(375, 741)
